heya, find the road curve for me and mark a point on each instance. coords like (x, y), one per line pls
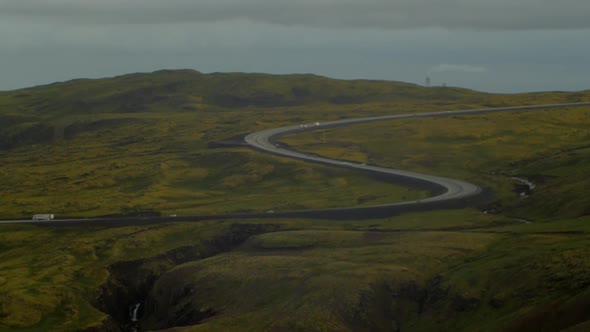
(447, 192)
(446, 189)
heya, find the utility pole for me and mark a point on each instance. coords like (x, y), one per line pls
(427, 81)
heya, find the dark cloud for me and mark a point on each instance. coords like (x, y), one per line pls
(385, 14)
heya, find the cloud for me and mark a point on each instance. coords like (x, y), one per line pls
(458, 68)
(383, 14)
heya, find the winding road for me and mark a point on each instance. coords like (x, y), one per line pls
(452, 189)
(447, 192)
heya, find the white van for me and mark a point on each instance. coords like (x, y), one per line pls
(43, 217)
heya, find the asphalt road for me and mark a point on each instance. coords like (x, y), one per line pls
(446, 192)
(452, 189)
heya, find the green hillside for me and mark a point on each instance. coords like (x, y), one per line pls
(142, 142)
(549, 148)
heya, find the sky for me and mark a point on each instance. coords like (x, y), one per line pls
(487, 45)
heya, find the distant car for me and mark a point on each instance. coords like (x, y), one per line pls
(43, 217)
(172, 215)
(270, 211)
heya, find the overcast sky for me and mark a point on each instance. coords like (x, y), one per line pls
(489, 45)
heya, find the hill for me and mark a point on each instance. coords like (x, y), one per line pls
(142, 142)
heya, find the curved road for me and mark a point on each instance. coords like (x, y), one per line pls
(452, 189)
(447, 192)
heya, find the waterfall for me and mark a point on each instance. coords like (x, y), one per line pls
(528, 183)
(134, 312)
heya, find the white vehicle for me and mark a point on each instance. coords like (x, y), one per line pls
(317, 123)
(43, 217)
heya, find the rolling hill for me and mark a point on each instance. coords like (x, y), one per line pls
(143, 142)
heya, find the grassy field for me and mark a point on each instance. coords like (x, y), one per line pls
(140, 143)
(50, 276)
(311, 280)
(441, 270)
(185, 182)
(502, 279)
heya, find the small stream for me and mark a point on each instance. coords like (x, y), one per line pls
(531, 186)
(522, 221)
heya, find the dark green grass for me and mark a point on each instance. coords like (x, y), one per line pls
(486, 278)
(49, 276)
